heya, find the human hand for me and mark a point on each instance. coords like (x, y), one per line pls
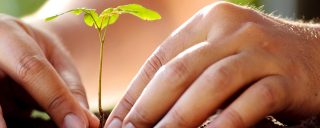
(226, 55)
(36, 62)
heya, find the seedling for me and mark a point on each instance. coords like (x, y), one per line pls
(101, 21)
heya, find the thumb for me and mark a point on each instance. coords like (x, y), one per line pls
(28, 65)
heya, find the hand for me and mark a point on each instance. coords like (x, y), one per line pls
(35, 62)
(226, 57)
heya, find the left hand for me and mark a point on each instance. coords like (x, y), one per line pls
(261, 64)
(37, 72)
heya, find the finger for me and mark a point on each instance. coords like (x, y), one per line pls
(61, 60)
(29, 67)
(192, 32)
(184, 37)
(264, 98)
(2, 122)
(93, 120)
(173, 78)
(214, 86)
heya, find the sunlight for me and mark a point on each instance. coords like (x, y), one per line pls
(51, 7)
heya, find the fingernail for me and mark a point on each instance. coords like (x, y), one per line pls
(115, 123)
(129, 125)
(73, 121)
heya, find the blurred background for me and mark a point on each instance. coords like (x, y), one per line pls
(20, 8)
(118, 71)
(291, 9)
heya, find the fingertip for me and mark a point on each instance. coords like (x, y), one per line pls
(219, 123)
(72, 120)
(93, 120)
(114, 120)
(121, 110)
(90, 119)
(229, 118)
(114, 123)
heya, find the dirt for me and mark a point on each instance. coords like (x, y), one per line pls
(268, 122)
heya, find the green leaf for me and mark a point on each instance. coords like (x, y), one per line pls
(108, 20)
(77, 11)
(51, 18)
(109, 15)
(94, 17)
(139, 11)
(113, 18)
(107, 12)
(88, 19)
(39, 114)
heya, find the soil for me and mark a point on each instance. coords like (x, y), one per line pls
(268, 122)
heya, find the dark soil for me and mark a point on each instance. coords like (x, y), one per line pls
(270, 122)
(24, 122)
(313, 122)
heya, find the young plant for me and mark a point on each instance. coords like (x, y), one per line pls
(101, 21)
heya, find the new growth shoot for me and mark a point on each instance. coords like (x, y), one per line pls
(101, 21)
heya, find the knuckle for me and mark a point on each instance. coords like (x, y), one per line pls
(182, 120)
(221, 76)
(174, 71)
(127, 102)
(139, 117)
(270, 94)
(225, 10)
(222, 6)
(78, 91)
(234, 15)
(259, 31)
(234, 118)
(252, 27)
(31, 67)
(55, 102)
(123, 107)
(154, 63)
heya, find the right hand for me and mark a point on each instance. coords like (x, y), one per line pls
(36, 63)
(226, 57)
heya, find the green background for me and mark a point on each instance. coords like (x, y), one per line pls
(20, 8)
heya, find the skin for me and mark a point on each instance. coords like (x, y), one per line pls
(122, 61)
(219, 38)
(39, 71)
(2, 122)
(261, 64)
(40, 68)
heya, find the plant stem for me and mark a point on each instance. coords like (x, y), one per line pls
(102, 36)
(102, 119)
